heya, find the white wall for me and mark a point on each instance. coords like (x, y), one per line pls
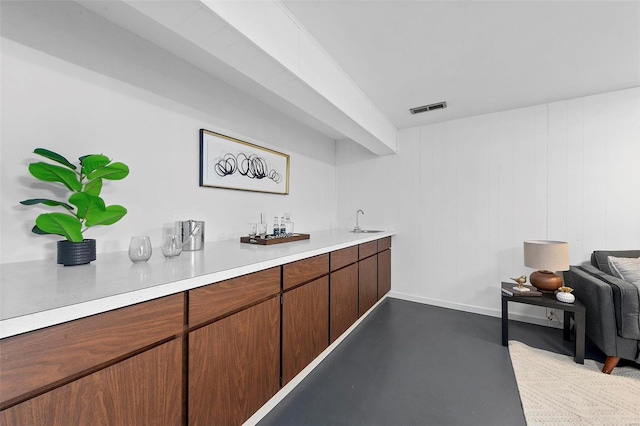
(464, 194)
(77, 84)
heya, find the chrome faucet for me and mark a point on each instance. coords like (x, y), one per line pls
(357, 228)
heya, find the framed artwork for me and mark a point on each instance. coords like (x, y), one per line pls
(230, 163)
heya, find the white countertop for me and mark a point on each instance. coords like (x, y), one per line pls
(37, 294)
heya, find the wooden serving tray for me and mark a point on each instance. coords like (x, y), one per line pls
(269, 241)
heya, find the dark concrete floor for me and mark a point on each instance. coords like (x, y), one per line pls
(414, 364)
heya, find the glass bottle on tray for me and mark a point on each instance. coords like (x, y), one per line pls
(288, 224)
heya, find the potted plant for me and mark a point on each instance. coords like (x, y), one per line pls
(84, 207)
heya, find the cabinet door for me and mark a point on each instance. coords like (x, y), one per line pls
(305, 326)
(384, 273)
(343, 303)
(368, 283)
(234, 365)
(142, 390)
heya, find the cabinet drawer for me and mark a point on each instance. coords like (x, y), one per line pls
(215, 300)
(384, 243)
(304, 270)
(344, 257)
(33, 361)
(367, 249)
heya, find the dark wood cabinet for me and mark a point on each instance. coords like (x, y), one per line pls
(343, 257)
(384, 273)
(384, 244)
(305, 325)
(234, 365)
(368, 283)
(212, 355)
(367, 249)
(35, 362)
(304, 270)
(143, 389)
(216, 300)
(343, 303)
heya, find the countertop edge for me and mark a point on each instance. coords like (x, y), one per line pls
(38, 320)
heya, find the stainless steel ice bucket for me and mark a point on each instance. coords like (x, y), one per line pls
(192, 234)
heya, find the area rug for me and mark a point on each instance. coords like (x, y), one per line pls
(554, 390)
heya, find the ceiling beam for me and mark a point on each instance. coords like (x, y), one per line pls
(262, 41)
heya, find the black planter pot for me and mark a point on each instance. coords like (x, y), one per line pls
(71, 254)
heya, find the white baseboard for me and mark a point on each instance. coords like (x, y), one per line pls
(475, 309)
(286, 389)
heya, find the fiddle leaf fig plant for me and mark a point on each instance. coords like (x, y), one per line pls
(84, 208)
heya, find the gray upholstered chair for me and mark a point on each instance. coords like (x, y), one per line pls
(613, 307)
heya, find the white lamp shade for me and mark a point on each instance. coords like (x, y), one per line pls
(546, 255)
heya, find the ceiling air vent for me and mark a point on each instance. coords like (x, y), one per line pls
(430, 107)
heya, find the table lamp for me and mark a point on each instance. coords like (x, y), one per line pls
(547, 257)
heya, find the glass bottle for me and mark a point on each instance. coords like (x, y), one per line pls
(276, 227)
(288, 224)
(283, 229)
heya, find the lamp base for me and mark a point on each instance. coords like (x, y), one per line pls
(545, 281)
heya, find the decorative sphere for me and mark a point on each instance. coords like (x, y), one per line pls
(565, 297)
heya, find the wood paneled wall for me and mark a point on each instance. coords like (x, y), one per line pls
(464, 194)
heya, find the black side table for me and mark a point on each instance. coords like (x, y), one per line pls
(575, 310)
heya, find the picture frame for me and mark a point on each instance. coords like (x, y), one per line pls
(230, 163)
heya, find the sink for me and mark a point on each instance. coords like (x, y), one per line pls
(365, 231)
